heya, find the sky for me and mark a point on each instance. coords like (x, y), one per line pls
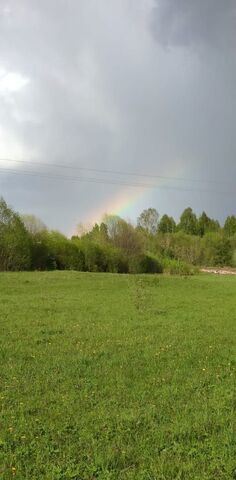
(115, 106)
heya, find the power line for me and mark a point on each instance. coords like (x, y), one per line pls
(75, 179)
(113, 172)
(110, 182)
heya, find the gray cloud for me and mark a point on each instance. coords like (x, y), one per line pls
(105, 92)
(195, 23)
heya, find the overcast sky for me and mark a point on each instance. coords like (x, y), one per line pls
(132, 86)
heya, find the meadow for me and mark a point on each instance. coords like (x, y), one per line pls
(117, 377)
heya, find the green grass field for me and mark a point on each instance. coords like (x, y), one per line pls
(115, 377)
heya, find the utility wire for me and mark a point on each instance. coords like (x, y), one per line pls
(110, 182)
(112, 172)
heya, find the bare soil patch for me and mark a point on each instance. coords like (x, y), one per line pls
(220, 271)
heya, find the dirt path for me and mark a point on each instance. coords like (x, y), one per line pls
(219, 271)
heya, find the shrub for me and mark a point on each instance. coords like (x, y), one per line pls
(144, 264)
(234, 259)
(217, 250)
(94, 257)
(63, 254)
(178, 267)
(116, 261)
(180, 246)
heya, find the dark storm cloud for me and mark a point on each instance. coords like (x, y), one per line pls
(205, 32)
(195, 23)
(98, 87)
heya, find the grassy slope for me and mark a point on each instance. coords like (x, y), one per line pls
(116, 377)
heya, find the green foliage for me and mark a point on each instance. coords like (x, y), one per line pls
(42, 259)
(207, 224)
(166, 225)
(181, 246)
(233, 249)
(234, 259)
(116, 245)
(148, 220)
(94, 256)
(213, 249)
(116, 377)
(188, 222)
(33, 224)
(116, 260)
(15, 253)
(123, 235)
(65, 253)
(217, 250)
(98, 234)
(101, 256)
(144, 264)
(230, 226)
(177, 267)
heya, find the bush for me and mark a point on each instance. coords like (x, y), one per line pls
(144, 264)
(94, 256)
(41, 259)
(234, 259)
(116, 261)
(63, 254)
(217, 250)
(180, 246)
(178, 267)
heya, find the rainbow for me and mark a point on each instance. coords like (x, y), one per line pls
(123, 202)
(120, 204)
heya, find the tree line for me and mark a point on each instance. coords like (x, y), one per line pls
(153, 245)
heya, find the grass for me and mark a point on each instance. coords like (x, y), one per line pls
(116, 377)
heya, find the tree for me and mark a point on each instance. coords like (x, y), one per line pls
(188, 222)
(15, 252)
(230, 226)
(40, 253)
(98, 234)
(95, 259)
(112, 223)
(207, 224)
(167, 225)
(33, 224)
(37, 230)
(83, 229)
(181, 246)
(148, 220)
(217, 249)
(127, 238)
(123, 235)
(63, 253)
